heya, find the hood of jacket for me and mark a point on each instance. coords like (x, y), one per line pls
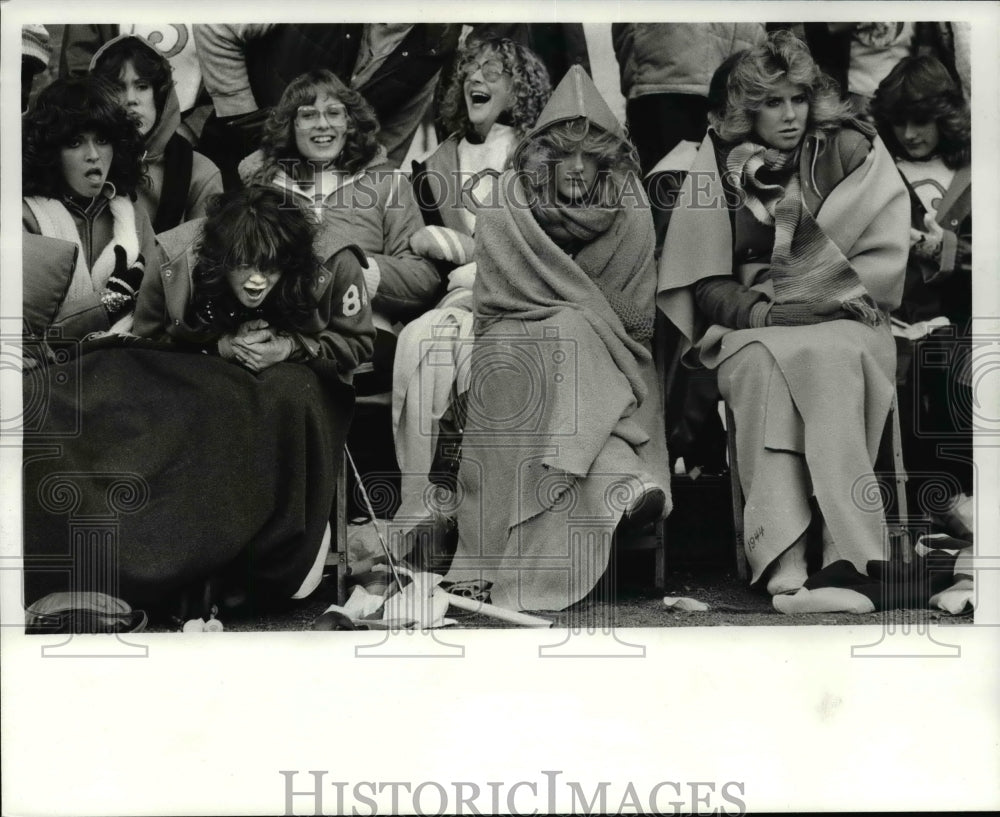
(168, 119)
(575, 97)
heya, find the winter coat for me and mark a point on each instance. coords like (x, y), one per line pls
(677, 58)
(374, 209)
(95, 228)
(340, 328)
(247, 66)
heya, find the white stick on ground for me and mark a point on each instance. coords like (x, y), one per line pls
(502, 613)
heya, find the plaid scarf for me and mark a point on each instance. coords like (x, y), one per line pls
(806, 266)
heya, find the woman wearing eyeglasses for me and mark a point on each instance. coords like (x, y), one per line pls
(320, 146)
(493, 97)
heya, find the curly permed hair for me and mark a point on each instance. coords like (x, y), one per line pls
(530, 85)
(616, 158)
(278, 141)
(254, 226)
(148, 63)
(64, 110)
(920, 89)
(756, 73)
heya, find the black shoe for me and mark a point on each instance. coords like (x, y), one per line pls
(646, 508)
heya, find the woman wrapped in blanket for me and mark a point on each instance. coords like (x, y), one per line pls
(229, 455)
(495, 95)
(786, 252)
(564, 433)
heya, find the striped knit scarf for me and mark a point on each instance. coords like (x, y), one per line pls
(806, 266)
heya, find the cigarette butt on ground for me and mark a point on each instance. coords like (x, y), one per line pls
(493, 611)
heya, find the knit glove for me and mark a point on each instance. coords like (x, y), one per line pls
(637, 322)
(123, 285)
(804, 314)
(443, 244)
(462, 277)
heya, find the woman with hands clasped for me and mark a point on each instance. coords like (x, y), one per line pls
(245, 283)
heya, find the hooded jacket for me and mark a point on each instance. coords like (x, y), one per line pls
(180, 181)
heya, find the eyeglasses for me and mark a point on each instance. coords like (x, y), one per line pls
(492, 69)
(308, 116)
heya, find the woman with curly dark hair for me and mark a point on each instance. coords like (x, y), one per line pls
(320, 148)
(494, 97)
(924, 121)
(782, 259)
(81, 163)
(246, 282)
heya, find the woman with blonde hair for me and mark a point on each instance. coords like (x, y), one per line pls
(785, 255)
(494, 97)
(564, 434)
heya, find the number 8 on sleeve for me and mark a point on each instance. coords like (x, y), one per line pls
(352, 301)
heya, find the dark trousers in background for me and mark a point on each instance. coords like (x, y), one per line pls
(657, 122)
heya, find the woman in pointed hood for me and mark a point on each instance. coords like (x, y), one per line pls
(179, 180)
(564, 428)
(785, 252)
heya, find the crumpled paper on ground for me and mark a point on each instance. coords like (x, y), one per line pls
(420, 601)
(420, 604)
(685, 604)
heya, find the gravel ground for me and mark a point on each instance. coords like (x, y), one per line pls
(731, 603)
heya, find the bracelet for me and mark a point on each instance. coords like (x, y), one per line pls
(114, 301)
